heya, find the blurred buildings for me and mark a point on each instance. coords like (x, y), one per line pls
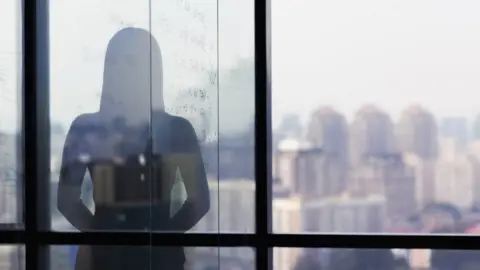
(417, 133)
(328, 130)
(371, 134)
(370, 175)
(232, 210)
(455, 128)
(374, 175)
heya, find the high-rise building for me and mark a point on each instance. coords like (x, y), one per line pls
(344, 214)
(328, 130)
(232, 210)
(476, 128)
(424, 177)
(457, 180)
(417, 133)
(12, 257)
(286, 218)
(455, 128)
(309, 171)
(10, 181)
(371, 133)
(388, 176)
(286, 163)
(286, 214)
(230, 157)
(232, 205)
(447, 148)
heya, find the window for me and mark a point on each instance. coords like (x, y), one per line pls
(203, 258)
(148, 132)
(11, 199)
(383, 91)
(385, 259)
(96, 147)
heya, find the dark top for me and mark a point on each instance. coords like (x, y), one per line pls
(133, 176)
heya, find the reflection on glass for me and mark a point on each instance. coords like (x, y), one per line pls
(12, 257)
(128, 142)
(375, 259)
(198, 258)
(231, 158)
(10, 113)
(134, 163)
(375, 128)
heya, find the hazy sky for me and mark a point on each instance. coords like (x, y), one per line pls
(342, 53)
(345, 53)
(79, 34)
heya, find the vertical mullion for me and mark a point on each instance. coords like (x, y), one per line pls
(36, 131)
(20, 180)
(262, 148)
(43, 128)
(268, 45)
(29, 127)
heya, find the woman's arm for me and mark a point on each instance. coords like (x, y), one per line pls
(71, 177)
(197, 203)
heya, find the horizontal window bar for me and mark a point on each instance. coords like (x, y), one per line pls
(380, 241)
(127, 239)
(407, 241)
(146, 238)
(12, 237)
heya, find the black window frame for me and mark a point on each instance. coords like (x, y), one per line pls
(36, 235)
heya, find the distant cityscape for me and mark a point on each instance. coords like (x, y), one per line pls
(372, 175)
(418, 175)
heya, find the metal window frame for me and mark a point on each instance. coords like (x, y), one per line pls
(36, 154)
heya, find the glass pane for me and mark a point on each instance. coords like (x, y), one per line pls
(12, 257)
(11, 191)
(89, 63)
(230, 156)
(133, 100)
(375, 127)
(197, 258)
(374, 259)
(187, 31)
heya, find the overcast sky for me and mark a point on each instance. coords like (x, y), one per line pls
(393, 53)
(79, 34)
(342, 53)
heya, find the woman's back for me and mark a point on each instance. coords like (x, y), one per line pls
(132, 173)
(132, 177)
(134, 156)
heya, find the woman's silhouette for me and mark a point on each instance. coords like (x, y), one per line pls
(133, 151)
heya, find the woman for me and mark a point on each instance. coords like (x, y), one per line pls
(133, 155)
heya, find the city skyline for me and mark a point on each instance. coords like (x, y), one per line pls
(440, 121)
(344, 55)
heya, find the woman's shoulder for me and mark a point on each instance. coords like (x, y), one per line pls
(177, 131)
(172, 121)
(85, 121)
(86, 118)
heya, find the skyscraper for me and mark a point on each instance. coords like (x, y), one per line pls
(328, 130)
(417, 133)
(309, 171)
(476, 128)
(455, 128)
(371, 133)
